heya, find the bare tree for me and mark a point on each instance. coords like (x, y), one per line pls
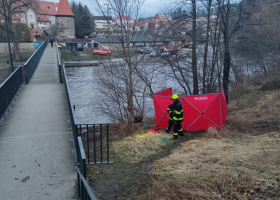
(60, 29)
(194, 57)
(206, 46)
(54, 30)
(11, 9)
(123, 74)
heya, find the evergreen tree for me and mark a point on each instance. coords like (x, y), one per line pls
(85, 24)
(92, 23)
(78, 9)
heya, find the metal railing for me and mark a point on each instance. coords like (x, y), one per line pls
(59, 63)
(86, 131)
(91, 132)
(84, 190)
(32, 63)
(97, 142)
(8, 90)
(74, 52)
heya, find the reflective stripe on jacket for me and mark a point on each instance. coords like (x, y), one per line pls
(178, 111)
(170, 111)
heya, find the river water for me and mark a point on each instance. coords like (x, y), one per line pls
(84, 94)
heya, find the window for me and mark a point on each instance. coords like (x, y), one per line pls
(67, 22)
(61, 22)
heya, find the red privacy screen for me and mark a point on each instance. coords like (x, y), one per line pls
(200, 111)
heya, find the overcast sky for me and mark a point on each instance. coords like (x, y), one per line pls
(149, 8)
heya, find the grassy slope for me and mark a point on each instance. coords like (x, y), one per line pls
(241, 161)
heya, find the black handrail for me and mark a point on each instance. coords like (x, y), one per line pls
(8, 90)
(83, 129)
(59, 63)
(31, 64)
(84, 190)
(81, 157)
(97, 141)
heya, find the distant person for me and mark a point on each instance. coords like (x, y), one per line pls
(170, 121)
(177, 117)
(51, 41)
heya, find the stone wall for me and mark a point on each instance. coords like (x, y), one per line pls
(25, 47)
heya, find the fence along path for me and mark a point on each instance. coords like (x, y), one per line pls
(36, 159)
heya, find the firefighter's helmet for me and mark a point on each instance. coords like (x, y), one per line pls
(174, 97)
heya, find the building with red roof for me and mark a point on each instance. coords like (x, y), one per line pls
(43, 15)
(15, 19)
(64, 9)
(124, 22)
(65, 20)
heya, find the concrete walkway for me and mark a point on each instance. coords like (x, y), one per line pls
(36, 154)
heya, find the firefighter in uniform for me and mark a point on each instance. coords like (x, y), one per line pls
(177, 116)
(170, 121)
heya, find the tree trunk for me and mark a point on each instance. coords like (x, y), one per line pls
(13, 37)
(227, 59)
(206, 47)
(215, 45)
(194, 58)
(131, 105)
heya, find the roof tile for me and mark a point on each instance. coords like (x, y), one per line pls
(64, 8)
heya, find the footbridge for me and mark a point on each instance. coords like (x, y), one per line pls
(43, 151)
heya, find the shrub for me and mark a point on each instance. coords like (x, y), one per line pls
(271, 85)
(22, 32)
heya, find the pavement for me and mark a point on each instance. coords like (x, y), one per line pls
(37, 160)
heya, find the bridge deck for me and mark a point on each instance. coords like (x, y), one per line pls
(36, 159)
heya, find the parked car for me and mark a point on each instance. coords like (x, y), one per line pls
(145, 50)
(102, 51)
(173, 49)
(165, 53)
(154, 54)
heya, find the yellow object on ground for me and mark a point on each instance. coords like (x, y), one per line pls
(143, 135)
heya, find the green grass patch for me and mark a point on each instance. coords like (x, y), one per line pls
(83, 56)
(24, 57)
(131, 159)
(139, 148)
(254, 97)
(250, 100)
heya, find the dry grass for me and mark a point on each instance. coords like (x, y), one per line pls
(240, 161)
(217, 169)
(257, 157)
(202, 187)
(119, 130)
(257, 113)
(139, 147)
